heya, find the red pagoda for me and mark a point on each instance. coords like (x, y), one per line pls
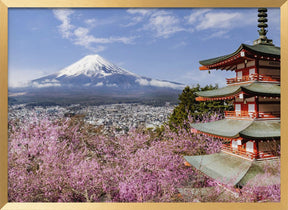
(251, 132)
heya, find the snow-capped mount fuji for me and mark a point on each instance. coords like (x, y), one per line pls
(94, 71)
(94, 80)
(92, 66)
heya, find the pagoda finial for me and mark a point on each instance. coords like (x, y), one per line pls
(262, 25)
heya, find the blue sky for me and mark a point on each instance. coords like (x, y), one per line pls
(164, 44)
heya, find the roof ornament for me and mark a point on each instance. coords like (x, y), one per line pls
(262, 25)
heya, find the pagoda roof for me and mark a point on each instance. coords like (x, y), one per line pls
(262, 129)
(258, 49)
(231, 170)
(234, 128)
(255, 88)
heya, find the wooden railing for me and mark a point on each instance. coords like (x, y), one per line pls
(254, 77)
(269, 114)
(240, 114)
(246, 154)
(246, 114)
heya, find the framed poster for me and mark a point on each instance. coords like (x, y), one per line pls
(71, 24)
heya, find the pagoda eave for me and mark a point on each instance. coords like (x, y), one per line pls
(228, 129)
(229, 92)
(224, 168)
(244, 52)
(228, 64)
(216, 98)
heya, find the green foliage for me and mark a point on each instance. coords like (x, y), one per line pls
(189, 106)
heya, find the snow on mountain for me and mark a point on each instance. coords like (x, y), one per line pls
(94, 71)
(91, 66)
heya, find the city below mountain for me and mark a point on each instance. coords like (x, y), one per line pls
(94, 80)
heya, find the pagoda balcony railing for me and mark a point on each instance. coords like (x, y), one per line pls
(246, 114)
(246, 154)
(254, 77)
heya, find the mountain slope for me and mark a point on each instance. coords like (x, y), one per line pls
(94, 71)
(94, 80)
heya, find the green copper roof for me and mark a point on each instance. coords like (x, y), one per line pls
(232, 128)
(263, 89)
(220, 92)
(262, 129)
(229, 169)
(222, 167)
(256, 88)
(256, 169)
(227, 127)
(263, 49)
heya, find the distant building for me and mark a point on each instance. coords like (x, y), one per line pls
(251, 132)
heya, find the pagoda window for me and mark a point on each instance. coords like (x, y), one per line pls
(251, 109)
(252, 71)
(250, 146)
(234, 144)
(239, 75)
(239, 142)
(238, 109)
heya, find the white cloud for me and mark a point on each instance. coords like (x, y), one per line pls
(205, 19)
(143, 82)
(164, 25)
(219, 20)
(80, 32)
(90, 22)
(221, 33)
(82, 36)
(21, 77)
(112, 85)
(193, 17)
(64, 16)
(46, 83)
(134, 21)
(179, 45)
(99, 84)
(18, 84)
(140, 11)
(158, 83)
(141, 14)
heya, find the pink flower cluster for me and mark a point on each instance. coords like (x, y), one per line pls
(71, 161)
(67, 161)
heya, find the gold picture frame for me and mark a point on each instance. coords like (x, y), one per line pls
(5, 4)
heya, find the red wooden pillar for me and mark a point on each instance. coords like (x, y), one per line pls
(256, 149)
(257, 66)
(257, 106)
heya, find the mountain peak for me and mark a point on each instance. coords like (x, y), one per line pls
(94, 58)
(91, 66)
